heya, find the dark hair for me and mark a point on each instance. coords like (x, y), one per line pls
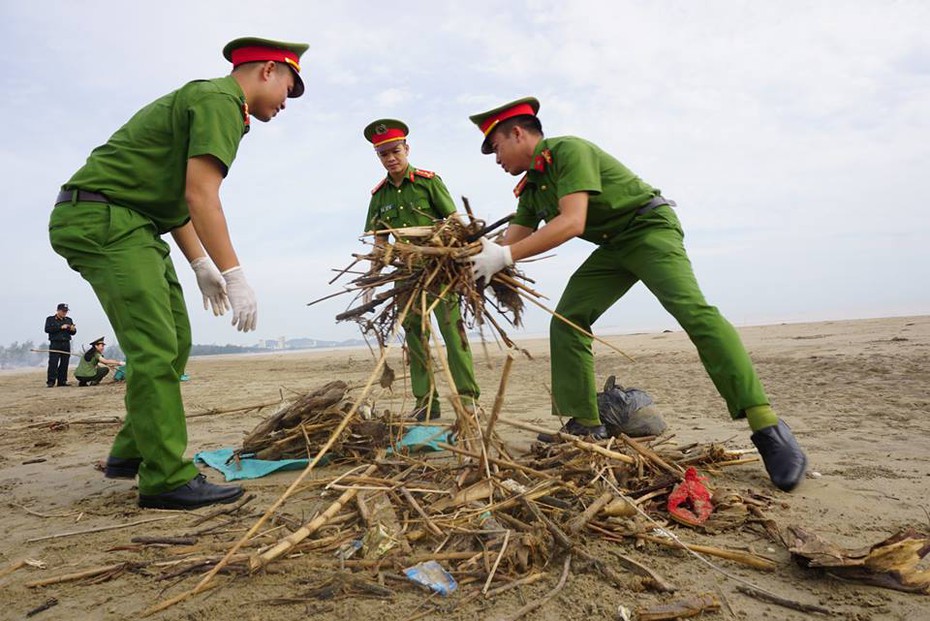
(528, 122)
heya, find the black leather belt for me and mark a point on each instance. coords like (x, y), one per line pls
(80, 196)
(655, 201)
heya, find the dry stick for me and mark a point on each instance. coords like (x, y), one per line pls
(576, 524)
(80, 575)
(575, 440)
(225, 510)
(753, 560)
(49, 603)
(674, 470)
(498, 400)
(526, 296)
(13, 567)
(337, 277)
(522, 581)
(641, 570)
(45, 515)
(545, 598)
(99, 529)
(496, 460)
(171, 541)
(423, 514)
(234, 410)
(470, 421)
(260, 560)
(201, 586)
(497, 562)
(55, 351)
(84, 421)
(781, 601)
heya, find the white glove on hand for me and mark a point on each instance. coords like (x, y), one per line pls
(241, 299)
(212, 285)
(492, 259)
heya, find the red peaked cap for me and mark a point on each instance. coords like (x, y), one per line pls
(487, 121)
(252, 49)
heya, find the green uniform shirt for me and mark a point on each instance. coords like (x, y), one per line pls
(421, 199)
(567, 164)
(143, 166)
(87, 368)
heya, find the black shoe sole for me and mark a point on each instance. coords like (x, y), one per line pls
(154, 502)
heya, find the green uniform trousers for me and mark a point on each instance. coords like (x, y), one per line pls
(458, 355)
(121, 255)
(651, 249)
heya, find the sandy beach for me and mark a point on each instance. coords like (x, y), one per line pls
(856, 393)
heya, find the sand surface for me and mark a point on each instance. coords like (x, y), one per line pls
(856, 393)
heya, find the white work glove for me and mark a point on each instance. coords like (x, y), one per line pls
(492, 259)
(211, 284)
(241, 299)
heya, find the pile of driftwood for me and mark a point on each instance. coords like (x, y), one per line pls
(301, 427)
(486, 515)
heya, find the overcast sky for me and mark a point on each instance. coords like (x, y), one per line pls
(795, 137)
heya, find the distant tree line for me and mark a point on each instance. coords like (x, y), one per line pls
(19, 355)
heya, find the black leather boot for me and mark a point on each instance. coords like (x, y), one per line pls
(782, 455)
(195, 493)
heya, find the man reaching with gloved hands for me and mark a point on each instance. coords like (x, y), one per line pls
(162, 172)
(579, 190)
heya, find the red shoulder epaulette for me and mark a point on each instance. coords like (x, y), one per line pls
(426, 174)
(519, 187)
(378, 187)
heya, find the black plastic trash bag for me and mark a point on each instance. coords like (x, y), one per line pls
(628, 410)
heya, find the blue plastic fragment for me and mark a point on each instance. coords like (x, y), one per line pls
(432, 574)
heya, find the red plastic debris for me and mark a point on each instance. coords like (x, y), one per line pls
(689, 503)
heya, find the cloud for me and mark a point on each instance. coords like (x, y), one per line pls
(794, 136)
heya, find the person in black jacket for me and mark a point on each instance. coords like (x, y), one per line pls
(60, 328)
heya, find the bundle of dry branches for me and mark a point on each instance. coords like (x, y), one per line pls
(418, 266)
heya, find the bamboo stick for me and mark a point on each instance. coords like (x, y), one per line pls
(746, 558)
(498, 400)
(260, 560)
(79, 575)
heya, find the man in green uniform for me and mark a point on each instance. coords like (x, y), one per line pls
(410, 196)
(89, 370)
(161, 172)
(581, 191)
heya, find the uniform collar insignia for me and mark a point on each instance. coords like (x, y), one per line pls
(522, 184)
(542, 160)
(245, 117)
